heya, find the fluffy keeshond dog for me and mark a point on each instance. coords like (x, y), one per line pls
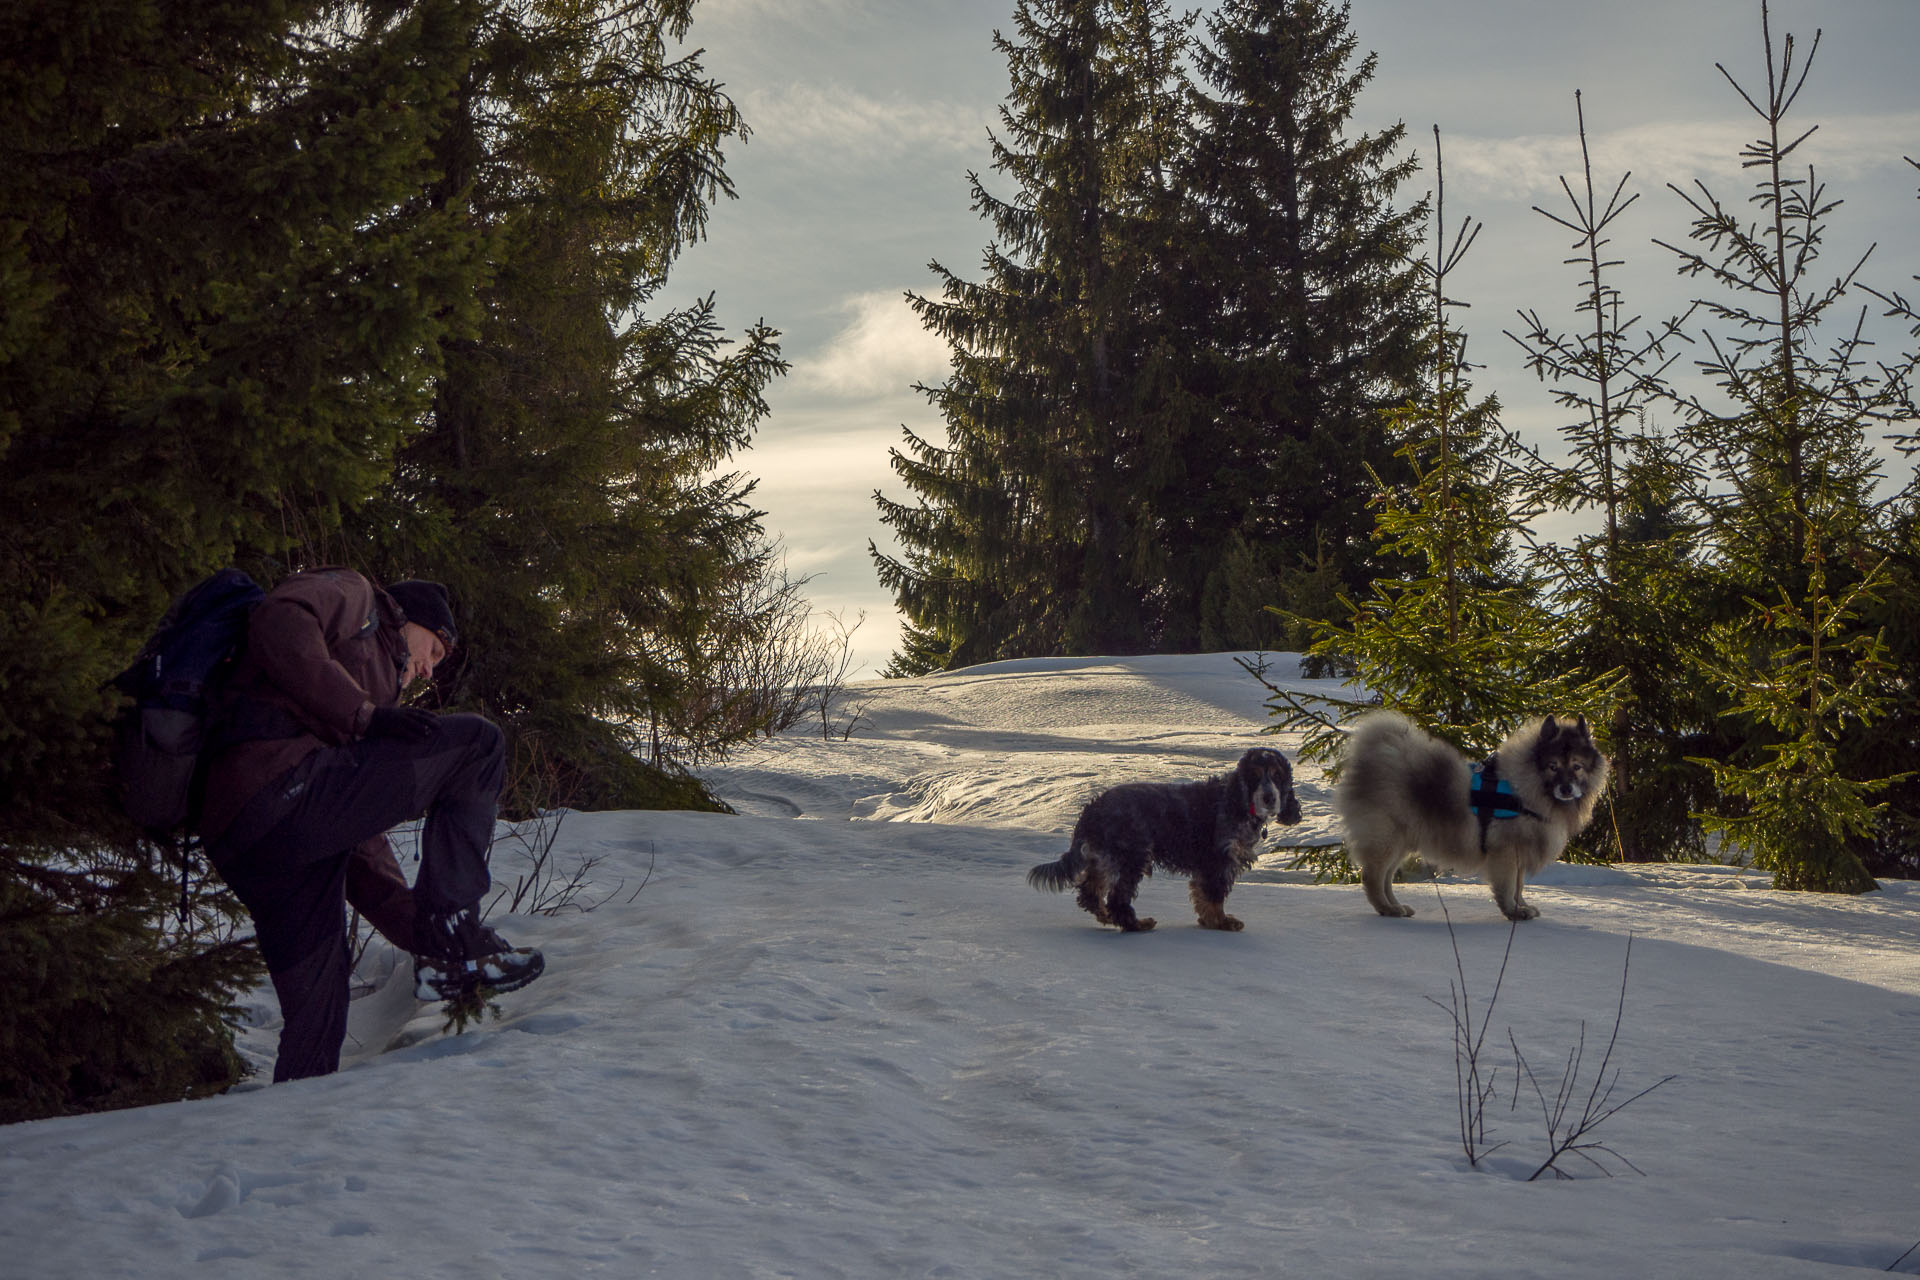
(1403, 792)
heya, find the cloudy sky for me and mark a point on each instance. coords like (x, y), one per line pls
(868, 114)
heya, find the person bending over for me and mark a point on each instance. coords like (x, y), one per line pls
(315, 760)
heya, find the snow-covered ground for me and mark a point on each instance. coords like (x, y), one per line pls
(838, 1035)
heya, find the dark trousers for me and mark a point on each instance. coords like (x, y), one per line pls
(289, 854)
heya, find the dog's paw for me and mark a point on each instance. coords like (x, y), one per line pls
(1521, 911)
(1139, 925)
(1226, 923)
(1395, 911)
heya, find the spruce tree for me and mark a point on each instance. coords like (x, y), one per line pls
(1789, 804)
(1895, 847)
(566, 484)
(224, 292)
(1460, 643)
(1303, 312)
(1629, 593)
(220, 292)
(1796, 530)
(1029, 534)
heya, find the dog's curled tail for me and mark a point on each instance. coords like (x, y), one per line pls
(1058, 874)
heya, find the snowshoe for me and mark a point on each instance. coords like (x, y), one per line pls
(460, 956)
(506, 970)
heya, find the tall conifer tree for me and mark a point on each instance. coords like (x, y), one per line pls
(1896, 847)
(1460, 643)
(1797, 531)
(228, 288)
(1168, 389)
(564, 483)
(1029, 535)
(1631, 593)
(221, 288)
(1302, 307)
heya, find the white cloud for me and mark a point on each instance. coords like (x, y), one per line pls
(840, 120)
(881, 351)
(1530, 167)
(812, 463)
(713, 12)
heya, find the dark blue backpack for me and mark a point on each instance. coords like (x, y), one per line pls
(174, 684)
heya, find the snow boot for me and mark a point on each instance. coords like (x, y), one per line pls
(460, 955)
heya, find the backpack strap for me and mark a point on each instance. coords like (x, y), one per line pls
(1491, 796)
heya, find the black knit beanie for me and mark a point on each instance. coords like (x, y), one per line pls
(426, 604)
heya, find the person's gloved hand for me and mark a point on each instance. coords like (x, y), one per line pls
(408, 723)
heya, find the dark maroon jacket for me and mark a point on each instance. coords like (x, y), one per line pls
(323, 650)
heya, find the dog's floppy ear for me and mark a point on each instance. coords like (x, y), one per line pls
(1245, 777)
(1290, 805)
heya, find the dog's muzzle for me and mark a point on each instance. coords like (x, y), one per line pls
(1267, 804)
(1568, 792)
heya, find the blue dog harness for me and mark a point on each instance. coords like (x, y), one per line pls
(1492, 798)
